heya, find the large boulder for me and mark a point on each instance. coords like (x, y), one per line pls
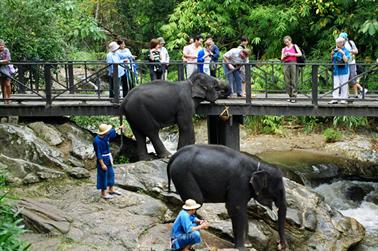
(310, 222)
(47, 132)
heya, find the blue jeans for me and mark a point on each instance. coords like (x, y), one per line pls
(234, 80)
(185, 240)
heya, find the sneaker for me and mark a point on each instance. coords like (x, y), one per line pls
(365, 91)
(288, 100)
(107, 197)
(332, 102)
(344, 102)
(293, 101)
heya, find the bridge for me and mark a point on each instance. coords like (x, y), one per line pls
(66, 88)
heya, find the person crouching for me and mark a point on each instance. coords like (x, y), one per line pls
(185, 230)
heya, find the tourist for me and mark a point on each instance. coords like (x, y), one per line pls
(105, 172)
(164, 58)
(352, 48)
(156, 70)
(114, 58)
(243, 45)
(6, 71)
(128, 58)
(190, 55)
(289, 56)
(340, 57)
(185, 56)
(204, 58)
(214, 56)
(185, 230)
(243, 42)
(232, 61)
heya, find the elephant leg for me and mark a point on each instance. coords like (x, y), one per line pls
(141, 145)
(160, 149)
(237, 211)
(186, 131)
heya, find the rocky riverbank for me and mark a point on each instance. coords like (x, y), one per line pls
(62, 154)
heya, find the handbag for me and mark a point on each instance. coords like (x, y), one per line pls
(301, 59)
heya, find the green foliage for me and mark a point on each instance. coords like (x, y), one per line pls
(264, 124)
(10, 224)
(350, 122)
(121, 159)
(46, 29)
(332, 135)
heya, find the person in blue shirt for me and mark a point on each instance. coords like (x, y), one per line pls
(105, 172)
(340, 57)
(114, 58)
(185, 231)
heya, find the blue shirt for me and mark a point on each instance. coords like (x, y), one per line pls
(201, 59)
(114, 58)
(183, 224)
(215, 53)
(101, 146)
(339, 66)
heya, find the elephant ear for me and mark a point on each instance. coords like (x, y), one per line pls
(199, 87)
(259, 181)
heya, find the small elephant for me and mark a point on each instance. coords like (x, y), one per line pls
(150, 107)
(215, 173)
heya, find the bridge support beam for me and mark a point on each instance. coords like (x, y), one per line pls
(224, 132)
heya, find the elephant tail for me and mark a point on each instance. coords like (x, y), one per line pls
(169, 171)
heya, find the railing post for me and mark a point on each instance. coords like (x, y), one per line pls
(71, 82)
(48, 84)
(21, 78)
(248, 83)
(115, 84)
(314, 81)
(180, 72)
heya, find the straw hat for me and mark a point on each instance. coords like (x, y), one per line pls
(191, 204)
(103, 129)
(113, 46)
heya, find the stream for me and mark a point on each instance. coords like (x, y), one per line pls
(354, 198)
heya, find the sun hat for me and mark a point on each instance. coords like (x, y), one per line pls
(340, 39)
(191, 204)
(113, 46)
(103, 129)
(162, 41)
(343, 35)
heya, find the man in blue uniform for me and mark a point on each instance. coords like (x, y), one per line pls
(185, 230)
(105, 172)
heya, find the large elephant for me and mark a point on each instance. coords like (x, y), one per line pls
(158, 104)
(215, 173)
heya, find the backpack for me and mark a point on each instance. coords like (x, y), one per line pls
(301, 59)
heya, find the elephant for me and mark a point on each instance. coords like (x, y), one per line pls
(216, 173)
(160, 103)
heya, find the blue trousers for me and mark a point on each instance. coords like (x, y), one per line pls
(105, 178)
(234, 80)
(185, 240)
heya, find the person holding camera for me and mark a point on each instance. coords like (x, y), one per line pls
(156, 69)
(340, 57)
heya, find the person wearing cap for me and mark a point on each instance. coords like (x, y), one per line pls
(105, 172)
(185, 231)
(114, 58)
(164, 57)
(352, 48)
(233, 60)
(340, 57)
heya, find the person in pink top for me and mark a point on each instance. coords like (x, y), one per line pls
(190, 55)
(289, 56)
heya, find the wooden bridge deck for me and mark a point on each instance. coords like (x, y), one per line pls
(65, 105)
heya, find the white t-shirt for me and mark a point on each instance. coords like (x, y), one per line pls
(192, 51)
(233, 56)
(164, 55)
(349, 45)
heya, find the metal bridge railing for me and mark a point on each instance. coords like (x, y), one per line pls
(63, 81)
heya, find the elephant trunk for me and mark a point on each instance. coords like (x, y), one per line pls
(281, 227)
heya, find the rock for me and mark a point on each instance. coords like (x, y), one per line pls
(48, 133)
(78, 172)
(20, 142)
(43, 218)
(81, 141)
(20, 171)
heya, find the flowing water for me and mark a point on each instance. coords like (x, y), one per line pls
(353, 198)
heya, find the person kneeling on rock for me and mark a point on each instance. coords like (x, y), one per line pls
(185, 230)
(105, 172)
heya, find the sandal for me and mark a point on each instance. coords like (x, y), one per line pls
(107, 197)
(115, 192)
